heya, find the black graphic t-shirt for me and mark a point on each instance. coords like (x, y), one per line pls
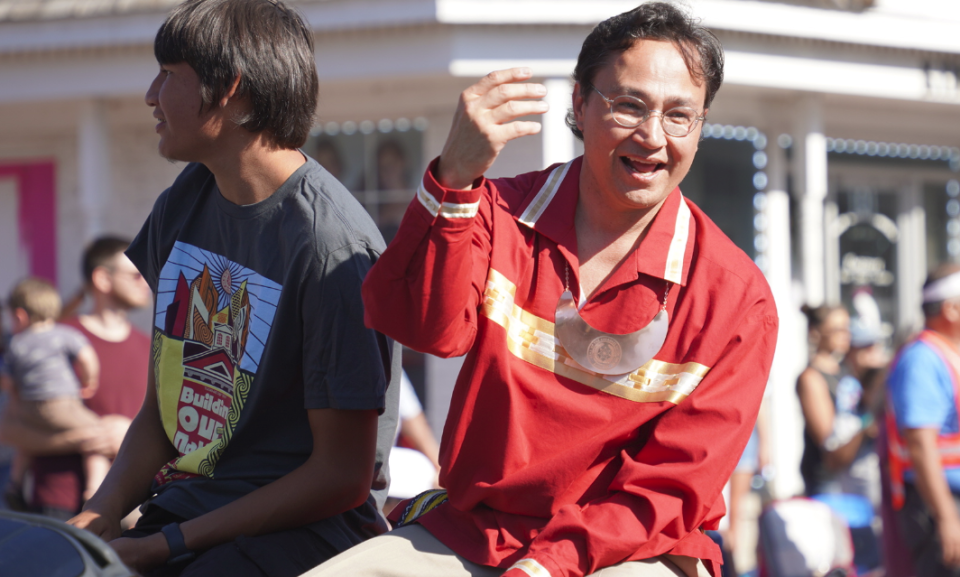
(258, 317)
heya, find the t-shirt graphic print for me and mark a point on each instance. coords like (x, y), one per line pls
(212, 322)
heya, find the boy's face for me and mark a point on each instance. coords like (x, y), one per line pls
(186, 133)
(19, 320)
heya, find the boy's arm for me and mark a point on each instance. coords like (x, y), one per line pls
(88, 370)
(144, 451)
(334, 479)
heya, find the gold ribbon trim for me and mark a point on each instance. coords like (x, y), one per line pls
(532, 339)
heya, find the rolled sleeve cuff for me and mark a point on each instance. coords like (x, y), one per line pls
(528, 567)
(448, 203)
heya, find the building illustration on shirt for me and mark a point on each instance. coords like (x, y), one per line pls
(213, 318)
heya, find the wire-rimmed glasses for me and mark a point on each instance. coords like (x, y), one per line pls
(631, 112)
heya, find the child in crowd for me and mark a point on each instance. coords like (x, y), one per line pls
(41, 370)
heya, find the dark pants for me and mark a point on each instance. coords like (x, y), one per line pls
(281, 554)
(919, 531)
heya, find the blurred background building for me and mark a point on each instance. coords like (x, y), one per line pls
(830, 155)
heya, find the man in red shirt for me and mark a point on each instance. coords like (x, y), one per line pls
(115, 287)
(617, 343)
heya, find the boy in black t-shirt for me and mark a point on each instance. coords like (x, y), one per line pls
(262, 442)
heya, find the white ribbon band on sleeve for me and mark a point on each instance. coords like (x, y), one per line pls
(946, 288)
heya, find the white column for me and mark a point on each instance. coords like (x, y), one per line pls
(911, 257)
(786, 436)
(810, 173)
(93, 165)
(558, 141)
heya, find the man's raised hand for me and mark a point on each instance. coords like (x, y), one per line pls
(485, 121)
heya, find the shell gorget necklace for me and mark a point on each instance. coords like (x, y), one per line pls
(607, 353)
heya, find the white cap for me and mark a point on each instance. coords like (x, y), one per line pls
(940, 290)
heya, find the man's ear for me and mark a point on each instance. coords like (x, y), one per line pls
(231, 92)
(579, 104)
(100, 280)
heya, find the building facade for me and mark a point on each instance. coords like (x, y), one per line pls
(831, 155)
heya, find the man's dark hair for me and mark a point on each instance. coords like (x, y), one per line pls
(701, 50)
(265, 43)
(100, 252)
(933, 309)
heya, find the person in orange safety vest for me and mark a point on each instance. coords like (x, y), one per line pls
(924, 433)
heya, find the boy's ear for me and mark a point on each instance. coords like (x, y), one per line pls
(21, 319)
(231, 92)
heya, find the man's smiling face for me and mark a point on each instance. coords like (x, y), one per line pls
(637, 168)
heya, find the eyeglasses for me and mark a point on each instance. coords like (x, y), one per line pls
(131, 274)
(631, 112)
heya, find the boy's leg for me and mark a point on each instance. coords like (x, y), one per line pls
(410, 551)
(281, 554)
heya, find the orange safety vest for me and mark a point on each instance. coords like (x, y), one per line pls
(947, 445)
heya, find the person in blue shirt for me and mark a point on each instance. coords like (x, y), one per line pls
(924, 433)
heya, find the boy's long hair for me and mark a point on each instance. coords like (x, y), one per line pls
(265, 43)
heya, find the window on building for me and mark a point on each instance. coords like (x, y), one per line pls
(723, 182)
(380, 163)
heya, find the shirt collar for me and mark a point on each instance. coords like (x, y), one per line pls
(665, 252)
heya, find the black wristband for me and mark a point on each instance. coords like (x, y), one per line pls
(178, 547)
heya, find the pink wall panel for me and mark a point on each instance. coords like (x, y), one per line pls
(36, 189)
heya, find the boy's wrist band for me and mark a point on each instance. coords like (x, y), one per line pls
(178, 547)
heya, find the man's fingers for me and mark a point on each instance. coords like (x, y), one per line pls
(498, 77)
(517, 108)
(507, 92)
(520, 128)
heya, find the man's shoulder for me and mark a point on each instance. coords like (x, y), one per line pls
(516, 191)
(75, 324)
(918, 375)
(918, 355)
